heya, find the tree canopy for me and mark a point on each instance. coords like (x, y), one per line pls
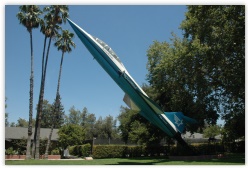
(202, 74)
(212, 131)
(136, 129)
(70, 135)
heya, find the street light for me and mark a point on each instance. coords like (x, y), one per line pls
(92, 145)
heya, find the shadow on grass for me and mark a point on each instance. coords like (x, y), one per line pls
(237, 160)
(226, 160)
(142, 161)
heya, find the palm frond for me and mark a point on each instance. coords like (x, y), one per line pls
(29, 16)
(64, 41)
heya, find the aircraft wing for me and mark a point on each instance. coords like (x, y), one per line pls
(130, 103)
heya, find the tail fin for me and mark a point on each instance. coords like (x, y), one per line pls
(179, 120)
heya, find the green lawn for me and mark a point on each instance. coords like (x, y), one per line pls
(233, 160)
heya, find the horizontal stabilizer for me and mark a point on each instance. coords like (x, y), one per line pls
(179, 120)
(130, 103)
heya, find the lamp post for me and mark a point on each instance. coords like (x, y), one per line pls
(93, 139)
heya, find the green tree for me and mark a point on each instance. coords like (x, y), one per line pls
(211, 131)
(220, 30)
(125, 118)
(56, 14)
(46, 116)
(106, 128)
(109, 126)
(71, 134)
(29, 18)
(6, 120)
(169, 85)
(22, 123)
(12, 124)
(74, 116)
(6, 115)
(58, 117)
(235, 126)
(202, 73)
(57, 114)
(137, 129)
(88, 121)
(98, 128)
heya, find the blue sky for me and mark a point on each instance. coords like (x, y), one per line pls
(128, 30)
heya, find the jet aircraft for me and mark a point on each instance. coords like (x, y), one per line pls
(172, 123)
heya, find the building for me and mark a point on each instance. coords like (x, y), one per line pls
(17, 133)
(198, 138)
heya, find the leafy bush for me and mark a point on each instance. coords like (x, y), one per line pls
(85, 150)
(80, 150)
(10, 151)
(209, 149)
(55, 152)
(109, 151)
(119, 151)
(71, 134)
(203, 149)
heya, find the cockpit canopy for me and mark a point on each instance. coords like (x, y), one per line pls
(104, 45)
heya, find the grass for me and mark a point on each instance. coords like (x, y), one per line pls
(238, 159)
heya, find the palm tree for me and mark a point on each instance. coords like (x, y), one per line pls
(64, 43)
(29, 17)
(56, 14)
(49, 31)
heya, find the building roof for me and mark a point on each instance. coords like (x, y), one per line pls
(20, 133)
(197, 137)
(189, 135)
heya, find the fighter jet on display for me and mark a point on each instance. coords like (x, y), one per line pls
(172, 123)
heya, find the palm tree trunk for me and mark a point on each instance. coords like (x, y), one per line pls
(30, 101)
(44, 46)
(56, 109)
(60, 73)
(40, 106)
(55, 112)
(48, 142)
(34, 141)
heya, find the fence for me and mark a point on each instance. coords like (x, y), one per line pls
(108, 141)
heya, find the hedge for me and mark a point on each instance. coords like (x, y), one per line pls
(109, 151)
(80, 150)
(121, 151)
